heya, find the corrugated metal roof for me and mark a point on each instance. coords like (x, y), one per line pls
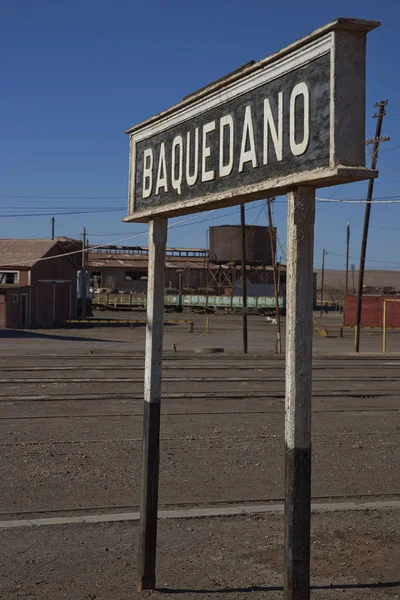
(175, 262)
(23, 253)
(129, 261)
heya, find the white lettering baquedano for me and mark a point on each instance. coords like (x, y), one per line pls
(270, 127)
(162, 171)
(176, 180)
(147, 172)
(300, 89)
(226, 121)
(207, 175)
(191, 179)
(247, 136)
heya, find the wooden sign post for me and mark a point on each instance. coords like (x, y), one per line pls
(291, 123)
(299, 333)
(152, 404)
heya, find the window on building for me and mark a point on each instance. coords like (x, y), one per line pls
(135, 275)
(9, 277)
(15, 298)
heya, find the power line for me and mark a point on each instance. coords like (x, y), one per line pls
(57, 207)
(386, 262)
(64, 197)
(360, 201)
(386, 228)
(55, 213)
(130, 237)
(50, 211)
(124, 197)
(393, 149)
(223, 216)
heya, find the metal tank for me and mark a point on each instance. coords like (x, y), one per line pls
(226, 245)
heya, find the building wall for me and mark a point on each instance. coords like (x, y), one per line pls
(53, 291)
(11, 305)
(24, 277)
(115, 278)
(45, 296)
(13, 308)
(3, 309)
(372, 311)
(191, 278)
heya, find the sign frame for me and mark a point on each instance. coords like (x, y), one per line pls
(344, 41)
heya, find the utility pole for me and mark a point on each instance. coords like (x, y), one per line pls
(347, 257)
(244, 278)
(346, 287)
(376, 141)
(353, 268)
(83, 291)
(53, 220)
(272, 242)
(324, 252)
(180, 292)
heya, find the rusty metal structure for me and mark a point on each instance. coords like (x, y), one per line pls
(226, 245)
(223, 269)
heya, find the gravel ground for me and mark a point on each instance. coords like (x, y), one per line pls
(354, 555)
(225, 331)
(70, 429)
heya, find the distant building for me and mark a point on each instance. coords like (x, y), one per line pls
(36, 290)
(125, 268)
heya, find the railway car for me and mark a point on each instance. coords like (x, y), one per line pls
(188, 302)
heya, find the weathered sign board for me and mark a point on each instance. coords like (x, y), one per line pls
(294, 118)
(292, 122)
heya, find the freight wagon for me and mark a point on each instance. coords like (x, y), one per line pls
(192, 303)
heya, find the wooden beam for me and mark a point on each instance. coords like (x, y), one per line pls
(299, 331)
(152, 405)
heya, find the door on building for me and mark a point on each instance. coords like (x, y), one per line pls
(24, 311)
(54, 302)
(63, 301)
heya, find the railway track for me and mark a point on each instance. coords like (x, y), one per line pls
(76, 424)
(79, 510)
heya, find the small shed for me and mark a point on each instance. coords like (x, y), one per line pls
(37, 283)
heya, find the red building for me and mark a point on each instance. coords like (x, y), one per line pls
(372, 311)
(37, 283)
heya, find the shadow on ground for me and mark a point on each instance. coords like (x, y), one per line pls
(104, 325)
(19, 334)
(266, 588)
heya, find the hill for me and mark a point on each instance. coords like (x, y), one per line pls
(335, 279)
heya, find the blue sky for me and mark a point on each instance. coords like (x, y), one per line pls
(76, 74)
